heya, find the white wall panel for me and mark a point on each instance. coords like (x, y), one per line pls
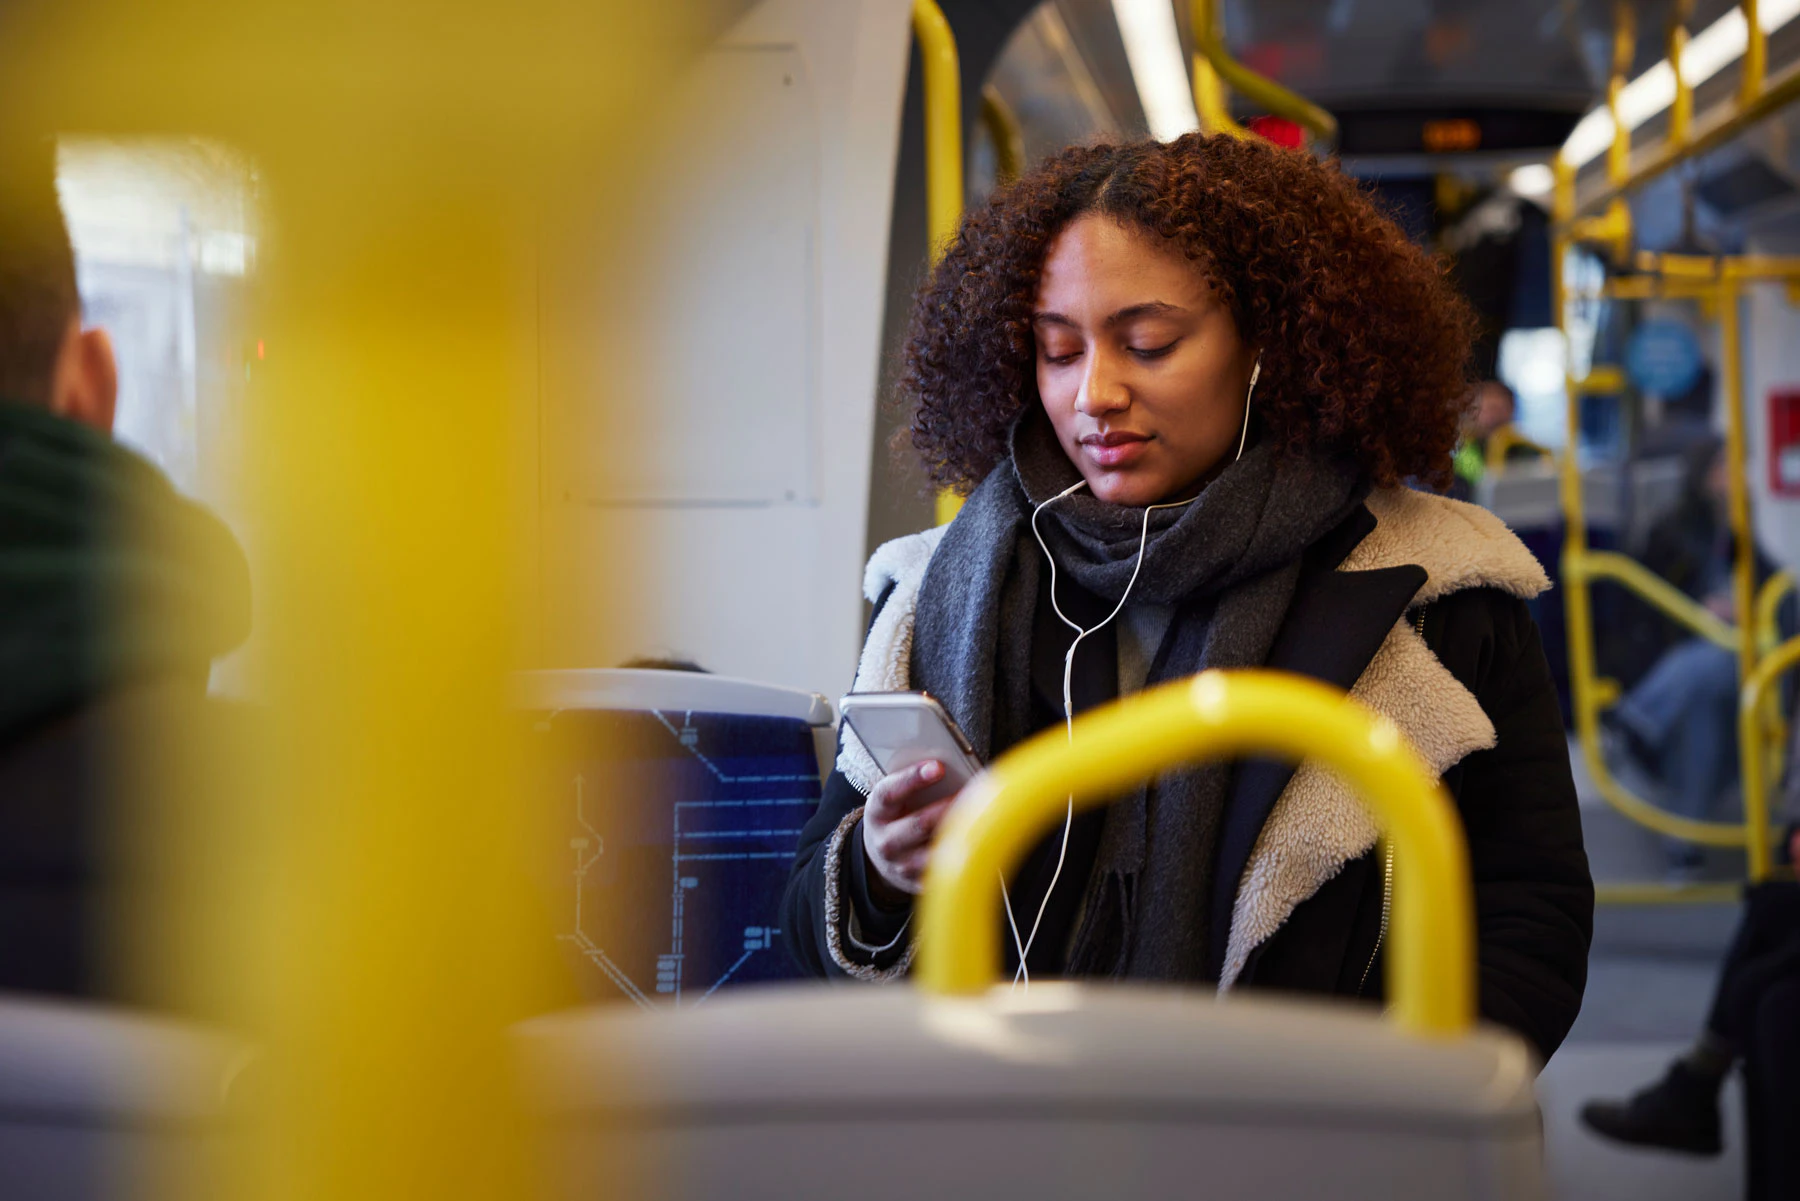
(718, 512)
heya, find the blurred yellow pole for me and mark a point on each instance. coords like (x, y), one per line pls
(383, 935)
(1736, 458)
(1681, 109)
(1618, 155)
(1756, 55)
(1758, 688)
(1002, 125)
(943, 151)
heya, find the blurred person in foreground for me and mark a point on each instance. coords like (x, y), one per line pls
(1754, 1022)
(115, 596)
(1678, 723)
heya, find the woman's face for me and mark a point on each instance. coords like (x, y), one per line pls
(1140, 367)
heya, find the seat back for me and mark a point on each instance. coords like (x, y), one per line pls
(675, 802)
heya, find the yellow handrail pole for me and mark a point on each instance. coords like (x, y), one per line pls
(1576, 602)
(943, 150)
(1002, 126)
(1618, 155)
(1681, 108)
(1759, 684)
(1744, 552)
(1756, 55)
(1431, 970)
(1209, 45)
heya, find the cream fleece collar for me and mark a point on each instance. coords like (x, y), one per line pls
(1317, 825)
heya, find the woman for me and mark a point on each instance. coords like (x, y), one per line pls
(1182, 385)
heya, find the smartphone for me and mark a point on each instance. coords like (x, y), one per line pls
(901, 729)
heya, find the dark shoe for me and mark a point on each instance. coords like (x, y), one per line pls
(1680, 1112)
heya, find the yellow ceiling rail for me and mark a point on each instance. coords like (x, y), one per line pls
(943, 150)
(1223, 71)
(1431, 969)
(1002, 125)
(1757, 98)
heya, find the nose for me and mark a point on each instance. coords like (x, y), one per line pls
(1103, 388)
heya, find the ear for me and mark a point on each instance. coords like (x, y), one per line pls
(86, 383)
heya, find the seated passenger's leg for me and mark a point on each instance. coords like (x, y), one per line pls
(1660, 702)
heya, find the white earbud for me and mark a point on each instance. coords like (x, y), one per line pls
(1024, 945)
(1250, 394)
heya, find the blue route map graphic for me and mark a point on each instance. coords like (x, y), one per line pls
(678, 834)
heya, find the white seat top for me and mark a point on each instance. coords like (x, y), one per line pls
(1059, 1048)
(668, 691)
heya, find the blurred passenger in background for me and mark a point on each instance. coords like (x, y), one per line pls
(115, 596)
(1490, 437)
(1754, 1022)
(1679, 721)
(1183, 385)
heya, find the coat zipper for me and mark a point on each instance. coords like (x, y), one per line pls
(1387, 871)
(1387, 908)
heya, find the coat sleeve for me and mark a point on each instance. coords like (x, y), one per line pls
(1534, 896)
(829, 919)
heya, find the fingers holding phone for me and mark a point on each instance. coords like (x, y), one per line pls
(899, 823)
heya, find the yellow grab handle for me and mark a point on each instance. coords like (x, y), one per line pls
(1222, 69)
(1431, 965)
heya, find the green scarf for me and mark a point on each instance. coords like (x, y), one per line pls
(107, 575)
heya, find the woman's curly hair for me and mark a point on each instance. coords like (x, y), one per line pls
(1365, 343)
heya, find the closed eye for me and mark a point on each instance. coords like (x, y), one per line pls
(1154, 352)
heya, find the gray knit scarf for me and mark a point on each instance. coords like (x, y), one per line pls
(1228, 564)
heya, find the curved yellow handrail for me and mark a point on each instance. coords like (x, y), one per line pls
(1503, 441)
(1756, 766)
(1669, 600)
(943, 150)
(1261, 90)
(1431, 966)
(1775, 589)
(1002, 125)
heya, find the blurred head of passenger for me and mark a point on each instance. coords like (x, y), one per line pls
(47, 359)
(1164, 305)
(1494, 409)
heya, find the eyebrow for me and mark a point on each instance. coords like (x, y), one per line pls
(1151, 308)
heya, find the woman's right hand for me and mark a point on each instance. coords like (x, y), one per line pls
(897, 830)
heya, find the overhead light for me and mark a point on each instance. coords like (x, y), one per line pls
(1532, 180)
(1153, 48)
(1706, 54)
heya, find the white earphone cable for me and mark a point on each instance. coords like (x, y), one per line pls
(1024, 946)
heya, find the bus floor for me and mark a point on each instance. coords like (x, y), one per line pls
(1650, 978)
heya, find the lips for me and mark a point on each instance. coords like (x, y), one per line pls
(1115, 448)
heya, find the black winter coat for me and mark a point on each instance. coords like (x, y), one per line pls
(1533, 893)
